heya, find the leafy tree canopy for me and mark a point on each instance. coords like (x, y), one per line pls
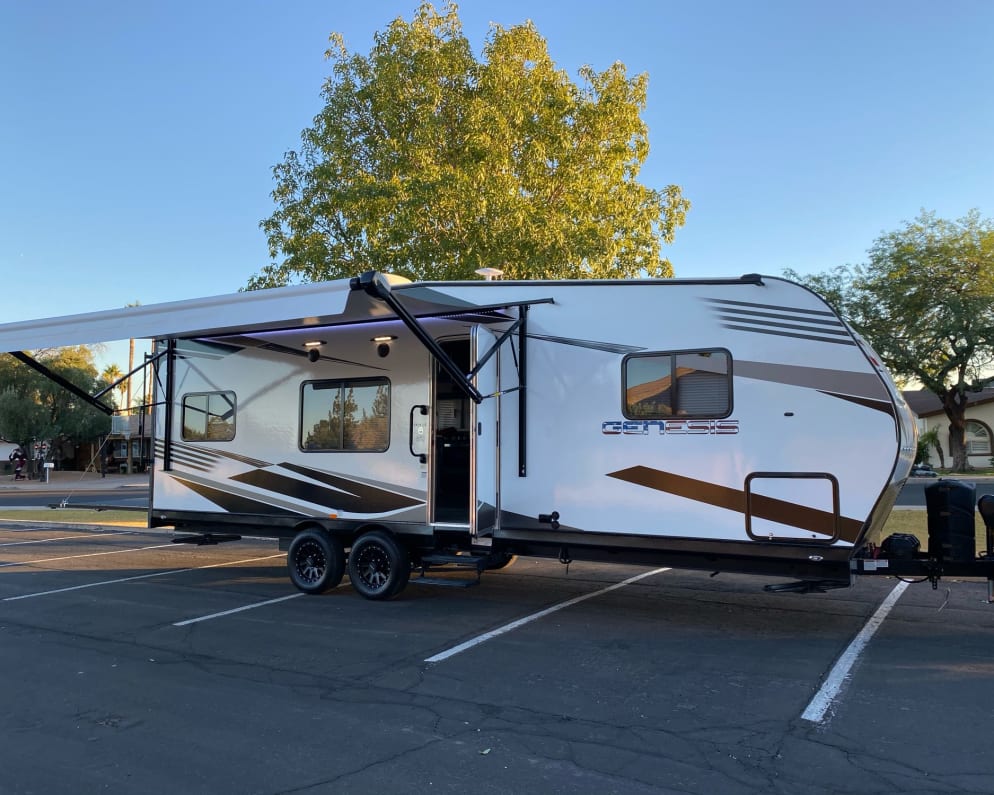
(429, 163)
(32, 407)
(925, 302)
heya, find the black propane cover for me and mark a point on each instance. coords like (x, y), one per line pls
(951, 531)
(900, 546)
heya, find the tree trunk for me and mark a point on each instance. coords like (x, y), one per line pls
(939, 450)
(954, 404)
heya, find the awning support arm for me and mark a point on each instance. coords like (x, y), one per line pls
(500, 341)
(375, 285)
(54, 377)
(124, 378)
(167, 449)
(523, 394)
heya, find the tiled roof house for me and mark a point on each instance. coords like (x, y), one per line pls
(979, 423)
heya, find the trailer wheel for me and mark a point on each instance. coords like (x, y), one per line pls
(379, 567)
(499, 560)
(316, 561)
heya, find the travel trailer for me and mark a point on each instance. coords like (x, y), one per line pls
(380, 427)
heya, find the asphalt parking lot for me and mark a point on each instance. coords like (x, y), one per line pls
(130, 664)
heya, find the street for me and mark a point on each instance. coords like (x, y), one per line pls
(104, 498)
(913, 493)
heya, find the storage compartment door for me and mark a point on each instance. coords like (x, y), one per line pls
(792, 506)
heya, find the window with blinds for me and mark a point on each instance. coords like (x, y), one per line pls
(678, 384)
(978, 440)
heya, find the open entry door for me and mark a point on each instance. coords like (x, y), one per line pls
(485, 438)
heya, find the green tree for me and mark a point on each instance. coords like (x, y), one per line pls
(32, 407)
(925, 302)
(429, 163)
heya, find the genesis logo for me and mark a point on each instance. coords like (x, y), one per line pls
(669, 427)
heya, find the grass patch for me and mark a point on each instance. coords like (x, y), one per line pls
(915, 522)
(78, 516)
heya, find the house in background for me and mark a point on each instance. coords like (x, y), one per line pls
(979, 424)
(129, 443)
(6, 448)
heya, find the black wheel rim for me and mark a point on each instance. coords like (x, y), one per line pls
(310, 562)
(373, 567)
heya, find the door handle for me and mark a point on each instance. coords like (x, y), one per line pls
(423, 410)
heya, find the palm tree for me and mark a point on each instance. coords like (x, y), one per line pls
(131, 360)
(110, 374)
(930, 439)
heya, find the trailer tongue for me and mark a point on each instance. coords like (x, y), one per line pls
(952, 545)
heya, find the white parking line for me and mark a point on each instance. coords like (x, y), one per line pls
(836, 678)
(78, 537)
(87, 555)
(136, 577)
(236, 610)
(444, 655)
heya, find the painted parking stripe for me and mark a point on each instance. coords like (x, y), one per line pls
(837, 677)
(78, 537)
(444, 655)
(236, 610)
(136, 577)
(86, 555)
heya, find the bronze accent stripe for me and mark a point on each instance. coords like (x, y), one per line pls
(813, 336)
(751, 305)
(769, 508)
(865, 385)
(879, 405)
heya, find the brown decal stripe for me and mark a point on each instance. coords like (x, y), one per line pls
(769, 508)
(838, 383)
(879, 405)
(784, 321)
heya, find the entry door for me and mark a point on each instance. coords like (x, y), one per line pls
(485, 452)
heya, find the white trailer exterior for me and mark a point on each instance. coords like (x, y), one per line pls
(724, 424)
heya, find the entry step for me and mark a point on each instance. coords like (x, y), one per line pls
(469, 564)
(446, 582)
(477, 562)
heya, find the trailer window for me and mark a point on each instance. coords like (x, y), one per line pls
(680, 384)
(345, 415)
(209, 417)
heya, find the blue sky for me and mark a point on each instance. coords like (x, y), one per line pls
(137, 139)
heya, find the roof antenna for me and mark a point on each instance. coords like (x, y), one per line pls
(490, 274)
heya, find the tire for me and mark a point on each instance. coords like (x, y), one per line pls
(316, 561)
(379, 567)
(499, 560)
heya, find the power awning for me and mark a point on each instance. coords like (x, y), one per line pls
(280, 308)
(368, 298)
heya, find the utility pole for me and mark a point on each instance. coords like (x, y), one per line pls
(131, 366)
